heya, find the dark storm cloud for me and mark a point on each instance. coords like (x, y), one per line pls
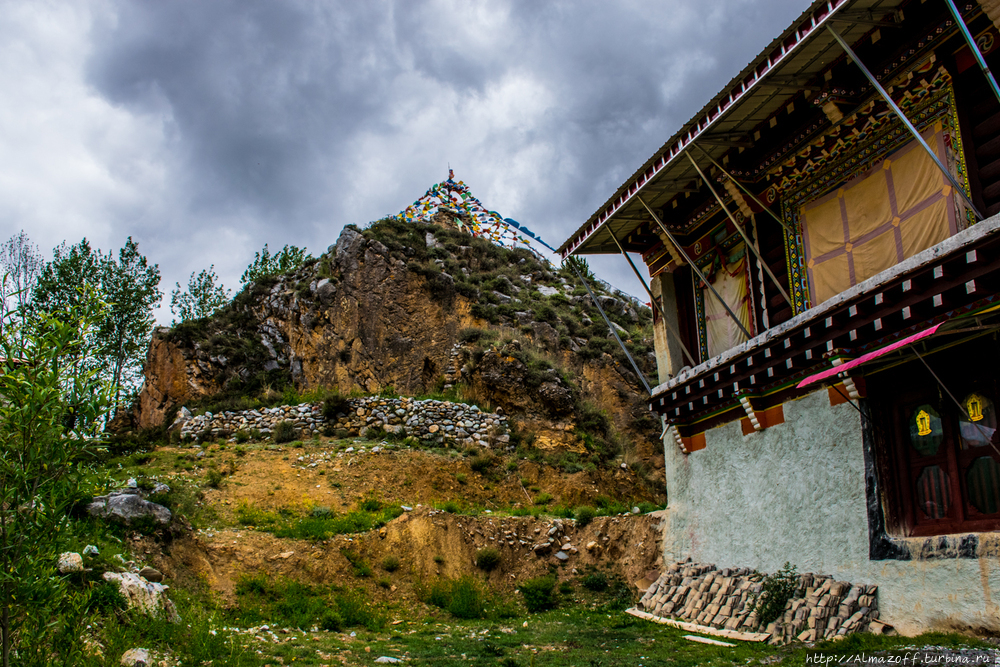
(205, 129)
(260, 92)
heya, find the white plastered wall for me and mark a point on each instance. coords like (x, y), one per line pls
(796, 492)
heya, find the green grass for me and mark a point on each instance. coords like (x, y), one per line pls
(571, 635)
(261, 599)
(316, 526)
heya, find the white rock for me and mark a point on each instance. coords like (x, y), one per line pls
(136, 657)
(70, 562)
(90, 550)
(387, 660)
(143, 595)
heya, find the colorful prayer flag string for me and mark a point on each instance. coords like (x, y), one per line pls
(454, 197)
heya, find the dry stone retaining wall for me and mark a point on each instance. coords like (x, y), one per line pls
(821, 608)
(435, 421)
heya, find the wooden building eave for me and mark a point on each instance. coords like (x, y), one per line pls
(946, 283)
(777, 75)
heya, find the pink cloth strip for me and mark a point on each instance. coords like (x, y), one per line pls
(868, 357)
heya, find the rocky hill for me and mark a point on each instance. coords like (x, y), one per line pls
(404, 307)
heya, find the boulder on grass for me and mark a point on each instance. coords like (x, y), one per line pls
(70, 562)
(143, 595)
(127, 506)
(136, 657)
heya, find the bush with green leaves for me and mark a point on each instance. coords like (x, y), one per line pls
(213, 478)
(335, 405)
(584, 515)
(266, 265)
(261, 599)
(776, 590)
(543, 499)
(390, 563)
(54, 406)
(482, 463)
(464, 597)
(595, 581)
(284, 431)
(539, 593)
(488, 558)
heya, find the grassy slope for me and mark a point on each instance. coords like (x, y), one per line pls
(586, 627)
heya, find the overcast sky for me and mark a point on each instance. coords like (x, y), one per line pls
(205, 129)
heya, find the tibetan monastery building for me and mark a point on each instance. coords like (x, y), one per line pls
(823, 248)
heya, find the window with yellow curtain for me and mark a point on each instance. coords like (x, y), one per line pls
(902, 205)
(730, 281)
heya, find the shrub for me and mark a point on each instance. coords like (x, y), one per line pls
(370, 503)
(488, 559)
(334, 405)
(595, 581)
(361, 568)
(468, 600)
(539, 593)
(776, 590)
(584, 515)
(463, 598)
(482, 463)
(356, 610)
(331, 621)
(390, 563)
(107, 597)
(470, 335)
(213, 478)
(284, 431)
(543, 499)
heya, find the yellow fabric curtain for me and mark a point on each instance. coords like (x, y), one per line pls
(731, 284)
(902, 205)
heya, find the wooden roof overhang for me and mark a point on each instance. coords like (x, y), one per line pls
(947, 283)
(801, 53)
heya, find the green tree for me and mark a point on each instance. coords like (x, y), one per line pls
(130, 287)
(201, 299)
(54, 401)
(580, 265)
(265, 264)
(21, 262)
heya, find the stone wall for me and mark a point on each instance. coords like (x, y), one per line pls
(429, 420)
(821, 608)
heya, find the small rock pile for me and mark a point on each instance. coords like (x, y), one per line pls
(557, 538)
(429, 420)
(821, 608)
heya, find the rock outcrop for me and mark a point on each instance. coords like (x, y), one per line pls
(370, 315)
